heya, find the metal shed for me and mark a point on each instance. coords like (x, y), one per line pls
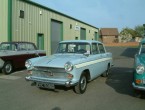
(24, 20)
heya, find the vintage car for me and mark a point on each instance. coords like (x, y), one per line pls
(139, 68)
(14, 54)
(74, 64)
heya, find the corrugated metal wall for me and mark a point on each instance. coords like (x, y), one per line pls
(3, 20)
(38, 20)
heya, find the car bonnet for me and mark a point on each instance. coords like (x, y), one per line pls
(58, 60)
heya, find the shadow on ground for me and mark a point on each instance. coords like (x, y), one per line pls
(129, 52)
(122, 51)
(120, 79)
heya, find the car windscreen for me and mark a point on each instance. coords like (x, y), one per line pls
(75, 47)
(7, 46)
(142, 48)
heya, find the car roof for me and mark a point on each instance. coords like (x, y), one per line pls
(81, 41)
(18, 42)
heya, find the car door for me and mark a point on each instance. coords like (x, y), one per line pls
(25, 51)
(96, 67)
(31, 50)
(103, 57)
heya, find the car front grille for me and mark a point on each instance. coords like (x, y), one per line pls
(48, 72)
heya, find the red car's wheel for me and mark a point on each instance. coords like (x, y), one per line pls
(8, 68)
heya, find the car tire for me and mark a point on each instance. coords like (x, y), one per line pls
(80, 88)
(106, 73)
(139, 94)
(8, 68)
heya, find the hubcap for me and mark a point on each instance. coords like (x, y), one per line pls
(8, 68)
(83, 83)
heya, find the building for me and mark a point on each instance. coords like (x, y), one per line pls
(24, 20)
(109, 35)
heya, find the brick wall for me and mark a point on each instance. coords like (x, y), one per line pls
(122, 44)
(108, 39)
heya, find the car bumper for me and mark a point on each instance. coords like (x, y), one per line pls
(67, 83)
(138, 87)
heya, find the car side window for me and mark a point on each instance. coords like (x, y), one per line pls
(25, 46)
(30, 47)
(95, 48)
(8, 47)
(101, 48)
(22, 47)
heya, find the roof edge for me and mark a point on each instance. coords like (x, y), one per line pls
(47, 8)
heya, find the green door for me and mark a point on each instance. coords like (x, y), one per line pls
(40, 41)
(96, 36)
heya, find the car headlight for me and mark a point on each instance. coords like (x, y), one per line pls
(68, 67)
(28, 64)
(140, 69)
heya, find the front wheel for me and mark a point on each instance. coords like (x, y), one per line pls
(80, 88)
(7, 69)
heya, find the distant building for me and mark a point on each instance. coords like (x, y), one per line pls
(109, 35)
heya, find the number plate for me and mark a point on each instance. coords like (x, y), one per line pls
(46, 85)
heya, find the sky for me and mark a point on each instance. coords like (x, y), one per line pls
(101, 13)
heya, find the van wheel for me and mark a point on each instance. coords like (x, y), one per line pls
(8, 68)
(80, 88)
(106, 73)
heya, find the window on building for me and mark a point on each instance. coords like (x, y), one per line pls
(76, 38)
(21, 14)
(70, 26)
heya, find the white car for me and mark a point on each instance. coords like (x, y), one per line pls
(75, 63)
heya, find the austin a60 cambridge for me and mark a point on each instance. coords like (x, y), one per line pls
(75, 63)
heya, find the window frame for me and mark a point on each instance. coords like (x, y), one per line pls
(104, 51)
(22, 14)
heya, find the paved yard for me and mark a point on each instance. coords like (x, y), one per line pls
(112, 93)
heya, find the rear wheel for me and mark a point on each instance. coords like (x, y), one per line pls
(80, 88)
(8, 68)
(106, 73)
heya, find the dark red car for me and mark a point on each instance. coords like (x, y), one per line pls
(14, 54)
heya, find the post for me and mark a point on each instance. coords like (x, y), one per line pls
(144, 30)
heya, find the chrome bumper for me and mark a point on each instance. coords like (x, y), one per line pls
(138, 87)
(67, 83)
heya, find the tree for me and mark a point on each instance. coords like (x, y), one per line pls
(139, 30)
(127, 34)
